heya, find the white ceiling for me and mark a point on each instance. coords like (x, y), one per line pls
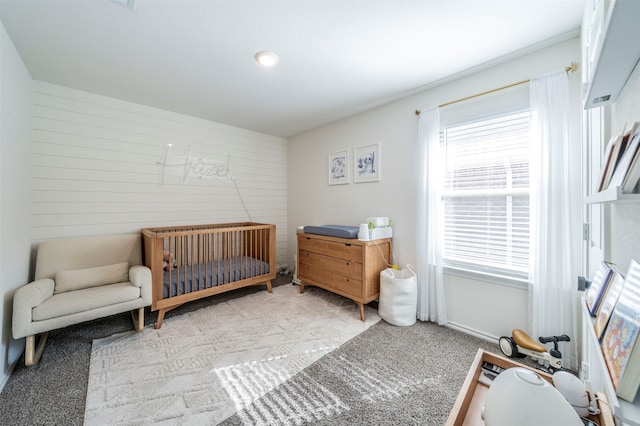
(337, 58)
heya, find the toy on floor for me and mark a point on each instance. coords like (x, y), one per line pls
(520, 345)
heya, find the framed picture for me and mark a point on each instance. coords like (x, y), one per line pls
(339, 167)
(366, 167)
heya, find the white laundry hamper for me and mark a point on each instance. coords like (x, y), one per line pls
(398, 301)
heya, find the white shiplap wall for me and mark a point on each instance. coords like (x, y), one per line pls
(95, 169)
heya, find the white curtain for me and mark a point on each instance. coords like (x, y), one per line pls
(552, 273)
(431, 302)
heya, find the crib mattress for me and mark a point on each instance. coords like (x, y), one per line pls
(191, 278)
(340, 231)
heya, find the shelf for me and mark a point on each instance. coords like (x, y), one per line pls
(617, 55)
(612, 195)
(628, 412)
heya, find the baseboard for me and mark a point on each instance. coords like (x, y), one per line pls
(473, 332)
(7, 375)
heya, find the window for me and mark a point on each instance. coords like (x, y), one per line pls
(486, 195)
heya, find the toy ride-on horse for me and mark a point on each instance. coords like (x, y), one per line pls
(520, 345)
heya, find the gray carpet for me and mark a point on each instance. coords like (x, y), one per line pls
(386, 375)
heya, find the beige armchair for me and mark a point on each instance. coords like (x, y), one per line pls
(77, 280)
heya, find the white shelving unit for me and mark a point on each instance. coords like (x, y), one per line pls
(626, 412)
(613, 49)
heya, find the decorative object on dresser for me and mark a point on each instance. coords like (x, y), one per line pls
(207, 260)
(620, 346)
(345, 266)
(598, 287)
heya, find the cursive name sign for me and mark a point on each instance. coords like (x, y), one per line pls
(190, 167)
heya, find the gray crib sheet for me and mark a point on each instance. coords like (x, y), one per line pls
(192, 278)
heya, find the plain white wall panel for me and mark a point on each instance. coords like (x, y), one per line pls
(16, 105)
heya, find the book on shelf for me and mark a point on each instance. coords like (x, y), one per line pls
(607, 170)
(608, 302)
(620, 346)
(633, 174)
(599, 285)
(614, 152)
(627, 172)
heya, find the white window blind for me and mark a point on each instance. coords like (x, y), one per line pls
(486, 195)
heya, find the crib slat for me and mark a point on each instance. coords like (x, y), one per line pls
(191, 241)
(183, 262)
(171, 248)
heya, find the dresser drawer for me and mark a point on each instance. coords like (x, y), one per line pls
(332, 281)
(346, 251)
(347, 267)
(333, 264)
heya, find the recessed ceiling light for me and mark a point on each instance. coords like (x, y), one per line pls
(268, 59)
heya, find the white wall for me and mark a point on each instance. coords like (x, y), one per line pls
(488, 309)
(96, 171)
(15, 193)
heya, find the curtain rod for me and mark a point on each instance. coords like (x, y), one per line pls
(573, 68)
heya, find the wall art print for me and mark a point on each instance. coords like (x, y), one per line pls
(367, 163)
(339, 167)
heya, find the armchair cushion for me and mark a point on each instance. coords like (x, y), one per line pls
(87, 299)
(140, 275)
(79, 279)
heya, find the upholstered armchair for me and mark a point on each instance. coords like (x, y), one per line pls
(77, 280)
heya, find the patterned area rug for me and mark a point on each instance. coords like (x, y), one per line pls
(204, 366)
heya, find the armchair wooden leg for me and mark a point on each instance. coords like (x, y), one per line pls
(138, 319)
(32, 353)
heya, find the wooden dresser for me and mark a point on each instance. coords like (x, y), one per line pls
(348, 267)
